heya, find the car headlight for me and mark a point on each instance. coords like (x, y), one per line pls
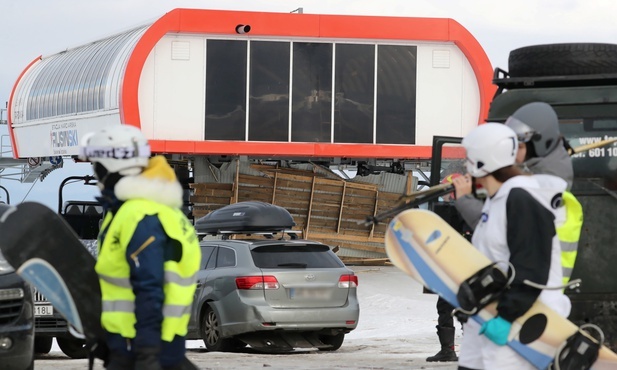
(5, 267)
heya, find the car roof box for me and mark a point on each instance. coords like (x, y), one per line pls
(245, 217)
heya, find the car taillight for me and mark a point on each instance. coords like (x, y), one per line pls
(348, 281)
(257, 282)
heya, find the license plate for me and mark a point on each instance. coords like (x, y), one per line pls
(310, 293)
(43, 310)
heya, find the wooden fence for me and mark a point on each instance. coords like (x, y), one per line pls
(324, 209)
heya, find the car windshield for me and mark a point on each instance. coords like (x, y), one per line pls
(295, 256)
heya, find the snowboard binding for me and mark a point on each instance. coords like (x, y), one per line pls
(580, 351)
(482, 288)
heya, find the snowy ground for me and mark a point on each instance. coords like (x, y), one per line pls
(396, 330)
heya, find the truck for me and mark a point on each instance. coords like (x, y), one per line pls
(579, 80)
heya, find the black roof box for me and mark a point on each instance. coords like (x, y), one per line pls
(245, 217)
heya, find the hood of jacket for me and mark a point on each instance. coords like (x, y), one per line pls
(558, 163)
(547, 189)
(158, 182)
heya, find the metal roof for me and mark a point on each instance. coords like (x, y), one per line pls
(84, 79)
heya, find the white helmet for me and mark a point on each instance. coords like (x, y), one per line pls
(489, 147)
(120, 149)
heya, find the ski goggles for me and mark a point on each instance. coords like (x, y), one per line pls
(524, 133)
(126, 152)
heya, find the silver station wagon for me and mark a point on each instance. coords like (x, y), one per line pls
(272, 291)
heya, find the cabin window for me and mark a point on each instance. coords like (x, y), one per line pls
(226, 90)
(311, 108)
(396, 94)
(269, 91)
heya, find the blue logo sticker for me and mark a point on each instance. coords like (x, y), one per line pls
(434, 236)
(484, 217)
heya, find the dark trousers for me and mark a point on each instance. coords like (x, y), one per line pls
(444, 313)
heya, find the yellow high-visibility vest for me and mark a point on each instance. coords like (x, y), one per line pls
(569, 233)
(118, 300)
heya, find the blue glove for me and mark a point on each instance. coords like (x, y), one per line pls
(497, 330)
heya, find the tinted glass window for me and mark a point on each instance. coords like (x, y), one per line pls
(311, 109)
(295, 256)
(226, 257)
(269, 91)
(396, 94)
(206, 252)
(212, 260)
(225, 90)
(354, 92)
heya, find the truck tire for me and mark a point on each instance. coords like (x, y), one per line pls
(563, 60)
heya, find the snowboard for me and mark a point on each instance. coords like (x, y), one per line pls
(425, 247)
(46, 252)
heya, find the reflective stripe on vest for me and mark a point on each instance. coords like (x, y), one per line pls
(569, 233)
(113, 268)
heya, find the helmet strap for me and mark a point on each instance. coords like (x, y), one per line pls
(531, 151)
(107, 179)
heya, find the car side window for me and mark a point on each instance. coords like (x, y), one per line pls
(206, 253)
(212, 260)
(226, 257)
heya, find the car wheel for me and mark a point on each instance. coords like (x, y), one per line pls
(336, 341)
(42, 345)
(73, 347)
(211, 333)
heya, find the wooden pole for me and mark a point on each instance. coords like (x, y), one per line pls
(310, 208)
(340, 212)
(237, 181)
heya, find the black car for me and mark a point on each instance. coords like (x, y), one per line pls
(16, 320)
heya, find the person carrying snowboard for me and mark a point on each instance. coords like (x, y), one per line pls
(542, 150)
(148, 253)
(517, 226)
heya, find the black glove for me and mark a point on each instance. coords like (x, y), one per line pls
(147, 358)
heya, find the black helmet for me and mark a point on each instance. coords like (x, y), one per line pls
(537, 124)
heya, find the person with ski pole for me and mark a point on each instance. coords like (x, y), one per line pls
(148, 253)
(517, 227)
(445, 320)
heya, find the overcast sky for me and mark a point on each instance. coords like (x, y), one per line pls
(29, 28)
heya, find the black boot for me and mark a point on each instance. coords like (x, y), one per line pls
(446, 339)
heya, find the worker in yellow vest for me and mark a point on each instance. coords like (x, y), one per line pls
(542, 150)
(148, 252)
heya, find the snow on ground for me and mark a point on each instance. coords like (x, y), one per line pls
(396, 330)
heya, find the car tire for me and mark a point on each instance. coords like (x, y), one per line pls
(210, 330)
(42, 345)
(335, 341)
(563, 60)
(73, 347)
